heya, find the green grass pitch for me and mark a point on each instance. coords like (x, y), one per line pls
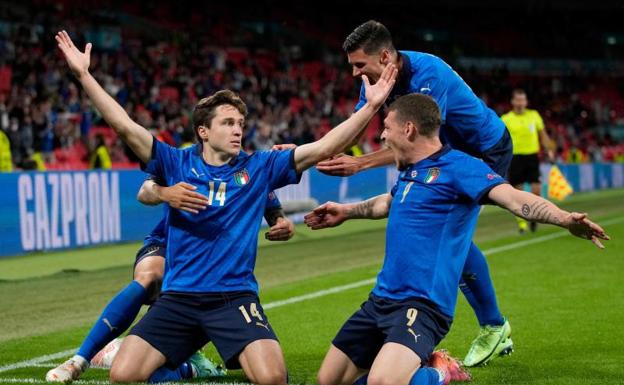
(564, 298)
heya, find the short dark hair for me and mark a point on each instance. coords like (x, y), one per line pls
(420, 109)
(517, 91)
(371, 37)
(204, 110)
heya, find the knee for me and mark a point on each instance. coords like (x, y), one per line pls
(325, 378)
(377, 379)
(271, 377)
(151, 280)
(121, 373)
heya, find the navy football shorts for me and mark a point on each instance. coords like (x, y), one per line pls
(414, 323)
(179, 324)
(150, 250)
(499, 156)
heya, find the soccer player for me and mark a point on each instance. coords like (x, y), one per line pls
(209, 292)
(432, 210)
(149, 268)
(527, 132)
(467, 125)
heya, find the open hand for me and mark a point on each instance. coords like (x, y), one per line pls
(579, 225)
(329, 214)
(339, 165)
(376, 94)
(78, 61)
(182, 196)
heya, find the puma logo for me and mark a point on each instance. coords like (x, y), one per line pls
(258, 323)
(107, 323)
(414, 334)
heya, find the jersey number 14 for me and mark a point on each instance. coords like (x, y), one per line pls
(220, 193)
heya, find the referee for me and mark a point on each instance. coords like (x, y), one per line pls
(527, 132)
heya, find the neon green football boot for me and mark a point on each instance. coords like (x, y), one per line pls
(492, 341)
(203, 367)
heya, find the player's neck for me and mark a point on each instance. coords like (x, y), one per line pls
(422, 149)
(519, 111)
(214, 157)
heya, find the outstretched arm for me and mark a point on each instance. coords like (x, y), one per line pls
(137, 137)
(332, 214)
(534, 208)
(345, 165)
(309, 154)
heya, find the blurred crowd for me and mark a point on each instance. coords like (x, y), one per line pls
(47, 122)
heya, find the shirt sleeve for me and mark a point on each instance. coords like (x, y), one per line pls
(281, 168)
(539, 123)
(474, 179)
(164, 162)
(273, 202)
(362, 101)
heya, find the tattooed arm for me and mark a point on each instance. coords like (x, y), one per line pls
(280, 227)
(332, 214)
(537, 209)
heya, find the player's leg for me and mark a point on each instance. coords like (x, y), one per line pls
(118, 314)
(338, 369)
(157, 348)
(263, 362)
(476, 284)
(243, 336)
(412, 328)
(495, 335)
(354, 348)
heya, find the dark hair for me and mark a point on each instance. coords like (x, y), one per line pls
(517, 91)
(204, 110)
(371, 37)
(420, 109)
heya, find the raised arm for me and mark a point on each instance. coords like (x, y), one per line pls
(345, 165)
(309, 154)
(333, 214)
(135, 136)
(534, 208)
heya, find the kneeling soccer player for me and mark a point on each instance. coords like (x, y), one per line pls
(432, 212)
(149, 268)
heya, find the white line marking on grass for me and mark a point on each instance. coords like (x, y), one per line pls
(37, 360)
(543, 238)
(321, 293)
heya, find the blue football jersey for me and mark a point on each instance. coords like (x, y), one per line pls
(158, 235)
(432, 218)
(467, 123)
(215, 250)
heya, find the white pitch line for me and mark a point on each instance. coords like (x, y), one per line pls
(321, 293)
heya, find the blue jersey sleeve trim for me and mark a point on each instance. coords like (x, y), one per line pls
(483, 199)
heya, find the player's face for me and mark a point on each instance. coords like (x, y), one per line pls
(519, 102)
(393, 137)
(226, 130)
(369, 65)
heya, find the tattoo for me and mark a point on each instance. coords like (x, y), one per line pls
(271, 215)
(541, 211)
(362, 210)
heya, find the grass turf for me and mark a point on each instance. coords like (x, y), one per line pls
(563, 298)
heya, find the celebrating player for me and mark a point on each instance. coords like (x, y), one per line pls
(149, 268)
(432, 213)
(467, 125)
(209, 292)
